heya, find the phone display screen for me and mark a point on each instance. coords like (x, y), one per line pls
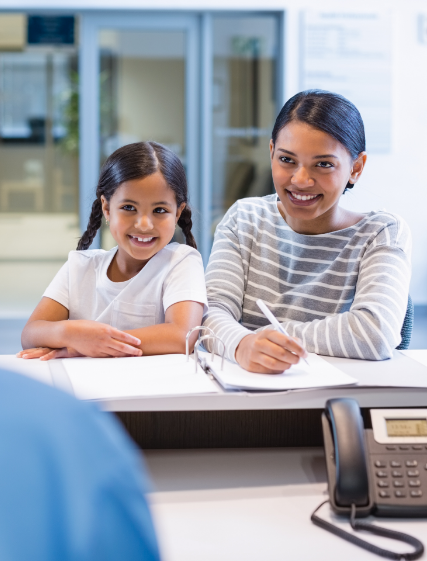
(406, 427)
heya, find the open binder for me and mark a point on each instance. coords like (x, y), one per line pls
(318, 373)
(178, 374)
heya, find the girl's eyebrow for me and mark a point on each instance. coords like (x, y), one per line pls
(128, 201)
(161, 203)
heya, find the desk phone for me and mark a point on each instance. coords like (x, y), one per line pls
(382, 470)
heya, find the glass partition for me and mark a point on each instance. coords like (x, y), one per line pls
(38, 172)
(245, 103)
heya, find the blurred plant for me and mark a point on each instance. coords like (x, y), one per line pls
(70, 114)
(70, 100)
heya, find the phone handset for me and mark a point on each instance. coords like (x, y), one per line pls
(352, 484)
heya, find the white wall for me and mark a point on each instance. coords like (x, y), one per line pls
(396, 181)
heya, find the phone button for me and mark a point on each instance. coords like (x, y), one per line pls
(381, 474)
(417, 447)
(392, 447)
(417, 493)
(414, 483)
(413, 473)
(398, 483)
(382, 483)
(396, 473)
(384, 494)
(394, 464)
(380, 464)
(403, 447)
(411, 463)
(400, 494)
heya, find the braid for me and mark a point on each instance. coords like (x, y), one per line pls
(185, 223)
(94, 224)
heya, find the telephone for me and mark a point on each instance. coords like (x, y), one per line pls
(380, 471)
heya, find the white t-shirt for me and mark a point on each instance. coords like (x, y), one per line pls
(174, 274)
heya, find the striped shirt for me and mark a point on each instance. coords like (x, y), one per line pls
(343, 293)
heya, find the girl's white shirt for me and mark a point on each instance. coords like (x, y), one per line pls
(174, 274)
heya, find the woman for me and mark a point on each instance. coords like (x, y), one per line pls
(337, 280)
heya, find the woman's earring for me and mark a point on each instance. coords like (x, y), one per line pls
(107, 222)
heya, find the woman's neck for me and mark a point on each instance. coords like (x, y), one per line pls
(334, 219)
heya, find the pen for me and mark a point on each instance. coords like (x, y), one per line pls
(269, 315)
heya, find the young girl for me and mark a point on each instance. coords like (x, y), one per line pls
(338, 280)
(141, 297)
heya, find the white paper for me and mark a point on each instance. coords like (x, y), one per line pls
(317, 374)
(115, 378)
(33, 368)
(420, 355)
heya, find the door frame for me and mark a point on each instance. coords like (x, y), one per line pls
(89, 126)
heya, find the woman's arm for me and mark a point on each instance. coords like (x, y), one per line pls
(169, 337)
(268, 351)
(49, 327)
(371, 328)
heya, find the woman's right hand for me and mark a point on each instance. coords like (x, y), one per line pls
(99, 340)
(269, 352)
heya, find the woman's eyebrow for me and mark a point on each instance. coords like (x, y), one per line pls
(325, 156)
(286, 151)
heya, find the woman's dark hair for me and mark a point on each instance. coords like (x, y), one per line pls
(136, 161)
(328, 112)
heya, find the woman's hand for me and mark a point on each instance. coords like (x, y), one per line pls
(269, 352)
(99, 340)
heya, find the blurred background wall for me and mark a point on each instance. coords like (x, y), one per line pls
(80, 79)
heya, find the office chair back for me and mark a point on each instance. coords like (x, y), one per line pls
(408, 322)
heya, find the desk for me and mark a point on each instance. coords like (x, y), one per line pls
(250, 505)
(243, 419)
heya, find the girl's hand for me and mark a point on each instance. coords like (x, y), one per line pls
(45, 353)
(99, 340)
(269, 352)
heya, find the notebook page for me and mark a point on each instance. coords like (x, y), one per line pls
(317, 374)
(114, 378)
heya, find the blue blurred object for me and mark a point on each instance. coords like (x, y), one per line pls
(71, 482)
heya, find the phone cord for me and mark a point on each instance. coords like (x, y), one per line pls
(377, 530)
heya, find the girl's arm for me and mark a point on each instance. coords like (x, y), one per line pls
(50, 327)
(169, 337)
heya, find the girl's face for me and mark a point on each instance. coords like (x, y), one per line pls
(310, 172)
(143, 214)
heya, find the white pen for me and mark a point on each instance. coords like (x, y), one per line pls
(274, 322)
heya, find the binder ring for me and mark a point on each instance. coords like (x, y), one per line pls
(196, 346)
(199, 328)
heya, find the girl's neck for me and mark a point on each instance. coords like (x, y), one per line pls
(123, 267)
(335, 219)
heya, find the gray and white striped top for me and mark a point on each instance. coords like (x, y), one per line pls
(343, 293)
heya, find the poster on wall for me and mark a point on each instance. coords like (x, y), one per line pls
(350, 54)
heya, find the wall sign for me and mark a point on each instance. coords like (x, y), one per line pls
(350, 54)
(51, 30)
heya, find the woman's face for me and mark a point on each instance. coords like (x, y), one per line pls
(310, 172)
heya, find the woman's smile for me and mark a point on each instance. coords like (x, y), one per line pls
(303, 199)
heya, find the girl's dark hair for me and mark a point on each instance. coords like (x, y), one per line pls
(328, 112)
(136, 161)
